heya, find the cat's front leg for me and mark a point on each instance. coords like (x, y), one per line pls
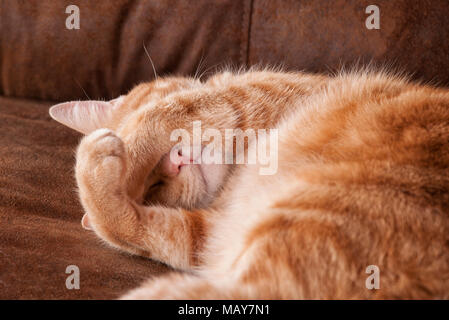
(173, 236)
(100, 172)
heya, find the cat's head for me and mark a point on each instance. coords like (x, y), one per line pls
(175, 181)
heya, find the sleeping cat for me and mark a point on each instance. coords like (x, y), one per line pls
(362, 184)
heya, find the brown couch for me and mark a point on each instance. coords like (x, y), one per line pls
(42, 62)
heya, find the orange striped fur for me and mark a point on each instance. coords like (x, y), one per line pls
(363, 179)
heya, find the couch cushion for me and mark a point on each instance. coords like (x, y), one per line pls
(320, 36)
(40, 231)
(41, 58)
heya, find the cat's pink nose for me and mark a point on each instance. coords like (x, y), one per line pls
(173, 161)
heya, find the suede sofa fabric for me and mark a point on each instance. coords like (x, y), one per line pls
(42, 63)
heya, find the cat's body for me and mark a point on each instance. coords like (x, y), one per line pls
(362, 180)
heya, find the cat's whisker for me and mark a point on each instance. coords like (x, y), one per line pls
(151, 61)
(79, 85)
(208, 69)
(198, 67)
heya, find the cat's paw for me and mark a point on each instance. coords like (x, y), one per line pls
(100, 163)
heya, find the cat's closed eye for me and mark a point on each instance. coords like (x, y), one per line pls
(155, 185)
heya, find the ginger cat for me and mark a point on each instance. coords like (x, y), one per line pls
(362, 180)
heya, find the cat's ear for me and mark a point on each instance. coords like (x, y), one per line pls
(85, 116)
(85, 222)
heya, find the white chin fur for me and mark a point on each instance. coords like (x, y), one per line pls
(213, 175)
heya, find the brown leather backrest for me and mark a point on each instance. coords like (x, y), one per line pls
(323, 35)
(40, 58)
